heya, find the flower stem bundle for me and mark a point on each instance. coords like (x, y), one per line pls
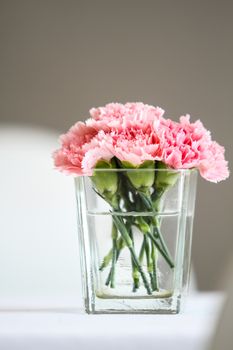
(135, 193)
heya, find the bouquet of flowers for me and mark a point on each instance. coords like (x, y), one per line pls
(137, 138)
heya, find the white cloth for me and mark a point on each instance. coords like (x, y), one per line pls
(69, 328)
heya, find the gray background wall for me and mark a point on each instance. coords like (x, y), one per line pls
(59, 58)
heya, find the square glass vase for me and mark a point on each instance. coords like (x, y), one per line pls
(135, 236)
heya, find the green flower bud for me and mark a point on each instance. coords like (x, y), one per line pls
(166, 177)
(106, 182)
(141, 180)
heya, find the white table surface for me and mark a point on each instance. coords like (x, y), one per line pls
(69, 328)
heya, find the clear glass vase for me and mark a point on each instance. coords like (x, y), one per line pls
(135, 235)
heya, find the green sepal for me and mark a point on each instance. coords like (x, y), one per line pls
(141, 180)
(106, 182)
(166, 177)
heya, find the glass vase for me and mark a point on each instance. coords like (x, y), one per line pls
(135, 235)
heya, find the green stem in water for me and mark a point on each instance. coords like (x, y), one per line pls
(149, 261)
(106, 260)
(113, 269)
(122, 229)
(145, 228)
(108, 257)
(111, 277)
(168, 260)
(157, 233)
(155, 286)
(119, 247)
(142, 251)
(135, 273)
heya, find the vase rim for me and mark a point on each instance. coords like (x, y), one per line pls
(119, 170)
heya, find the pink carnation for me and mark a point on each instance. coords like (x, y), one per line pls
(132, 145)
(135, 132)
(116, 116)
(213, 167)
(96, 150)
(188, 145)
(135, 145)
(70, 156)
